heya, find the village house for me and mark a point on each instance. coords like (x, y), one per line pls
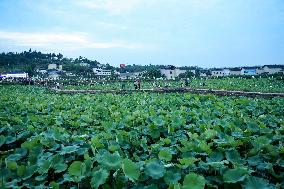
(54, 67)
(15, 75)
(41, 71)
(171, 72)
(236, 71)
(250, 70)
(270, 69)
(217, 72)
(101, 72)
(54, 74)
(203, 74)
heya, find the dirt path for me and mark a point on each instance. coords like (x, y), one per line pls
(176, 90)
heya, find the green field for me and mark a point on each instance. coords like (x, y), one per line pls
(140, 140)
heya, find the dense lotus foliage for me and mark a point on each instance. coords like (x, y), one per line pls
(139, 140)
(242, 84)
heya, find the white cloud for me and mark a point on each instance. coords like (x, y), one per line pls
(115, 7)
(71, 41)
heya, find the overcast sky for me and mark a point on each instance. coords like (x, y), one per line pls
(206, 33)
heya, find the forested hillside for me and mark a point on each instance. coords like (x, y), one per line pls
(30, 60)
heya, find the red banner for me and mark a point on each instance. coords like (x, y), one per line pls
(122, 65)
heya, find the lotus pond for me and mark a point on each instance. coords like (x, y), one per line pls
(139, 140)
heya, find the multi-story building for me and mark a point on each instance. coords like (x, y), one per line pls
(171, 72)
(217, 72)
(101, 72)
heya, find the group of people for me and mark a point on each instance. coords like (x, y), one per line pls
(137, 85)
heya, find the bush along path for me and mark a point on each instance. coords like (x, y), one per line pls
(175, 90)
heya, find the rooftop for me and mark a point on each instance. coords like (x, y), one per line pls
(274, 66)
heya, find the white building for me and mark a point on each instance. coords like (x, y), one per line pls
(41, 71)
(60, 67)
(250, 70)
(101, 72)
(132, 75)
(270, 69)
(217, 72)
(15, 75)
(171, 72)
(236, 71)
(52, 66)
(221, 72)
(203, 74)
(226, 72)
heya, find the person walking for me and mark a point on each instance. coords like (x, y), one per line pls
(186, 83)
(138, 84)
(181, 84)
(57, 85)
(122, 85)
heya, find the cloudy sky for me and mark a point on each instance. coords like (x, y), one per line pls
(206, 33)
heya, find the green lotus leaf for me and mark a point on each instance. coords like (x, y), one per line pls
(233, 156)
(21, 170)
(110, 161)
(152, 186)
(68, 150)
(256, 183)
(10, 139)
(210, 134)
(77, 168)
(235, 175)
(155, 169)
(177, 186)
(30, 170)
(12, 165)
(165, 154)
(188, 161)
(14, 157)
(41, 177)
(159, 121)
(253, 126)
(99, 177)
(89, 165)
(2, 140)
(113, 148)
(22, 151)
(56, 159)
(172, 177)
(54, 185)
(216, 156)
(68, 178)
(193, 181)
(60, 167)
(44, 165)
(131, 169)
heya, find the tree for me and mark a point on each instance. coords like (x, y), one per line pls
(187, 74)
(153, 73)
(59, 56)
